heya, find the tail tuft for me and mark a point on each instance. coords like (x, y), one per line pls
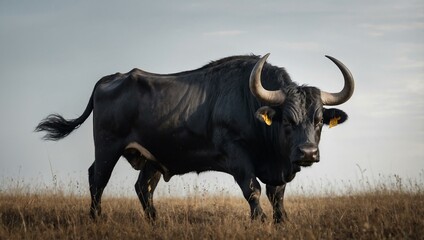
(57, 127)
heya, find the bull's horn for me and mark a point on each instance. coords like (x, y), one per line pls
(345, 93)
(270, 97)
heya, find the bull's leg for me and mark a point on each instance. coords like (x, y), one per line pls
(242, 173)
(252, 191)
(99, 175)
(145, 186)
(276, 197)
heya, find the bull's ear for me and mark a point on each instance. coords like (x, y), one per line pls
(265, 115)
(334, 116)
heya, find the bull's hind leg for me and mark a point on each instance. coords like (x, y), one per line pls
(99, 174)
(145, 186)
(276, 197)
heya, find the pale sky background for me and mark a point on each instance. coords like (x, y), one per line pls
(53, 52)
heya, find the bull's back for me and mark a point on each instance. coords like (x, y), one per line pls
(148, 104)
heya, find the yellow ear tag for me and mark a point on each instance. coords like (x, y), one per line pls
(333, 122)
(266, 119)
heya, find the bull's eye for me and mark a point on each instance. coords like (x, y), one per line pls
(287, 122)
(319, 123)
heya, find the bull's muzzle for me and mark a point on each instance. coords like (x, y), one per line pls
(308, 154)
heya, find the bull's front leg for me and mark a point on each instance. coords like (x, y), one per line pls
(239, 164)
(275, 195)
(252, 191)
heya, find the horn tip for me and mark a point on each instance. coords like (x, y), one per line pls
(265, 57)
(329, 57)
(334, 60)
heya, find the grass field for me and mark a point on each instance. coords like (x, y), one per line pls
(376, 214)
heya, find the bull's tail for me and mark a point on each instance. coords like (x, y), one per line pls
(58, 127)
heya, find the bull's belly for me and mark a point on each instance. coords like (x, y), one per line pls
(175, 161)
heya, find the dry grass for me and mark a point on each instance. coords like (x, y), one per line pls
(373, 215)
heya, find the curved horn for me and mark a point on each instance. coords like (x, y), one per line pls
(345, 93)
(270, 97)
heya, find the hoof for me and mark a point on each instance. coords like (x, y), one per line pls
(280, 217)
(151, 214)
(95, 214)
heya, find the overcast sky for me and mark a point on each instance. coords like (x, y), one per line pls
(53, 52)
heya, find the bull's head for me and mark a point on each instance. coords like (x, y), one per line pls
(300, 114)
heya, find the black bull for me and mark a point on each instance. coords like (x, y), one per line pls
(238, 115)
